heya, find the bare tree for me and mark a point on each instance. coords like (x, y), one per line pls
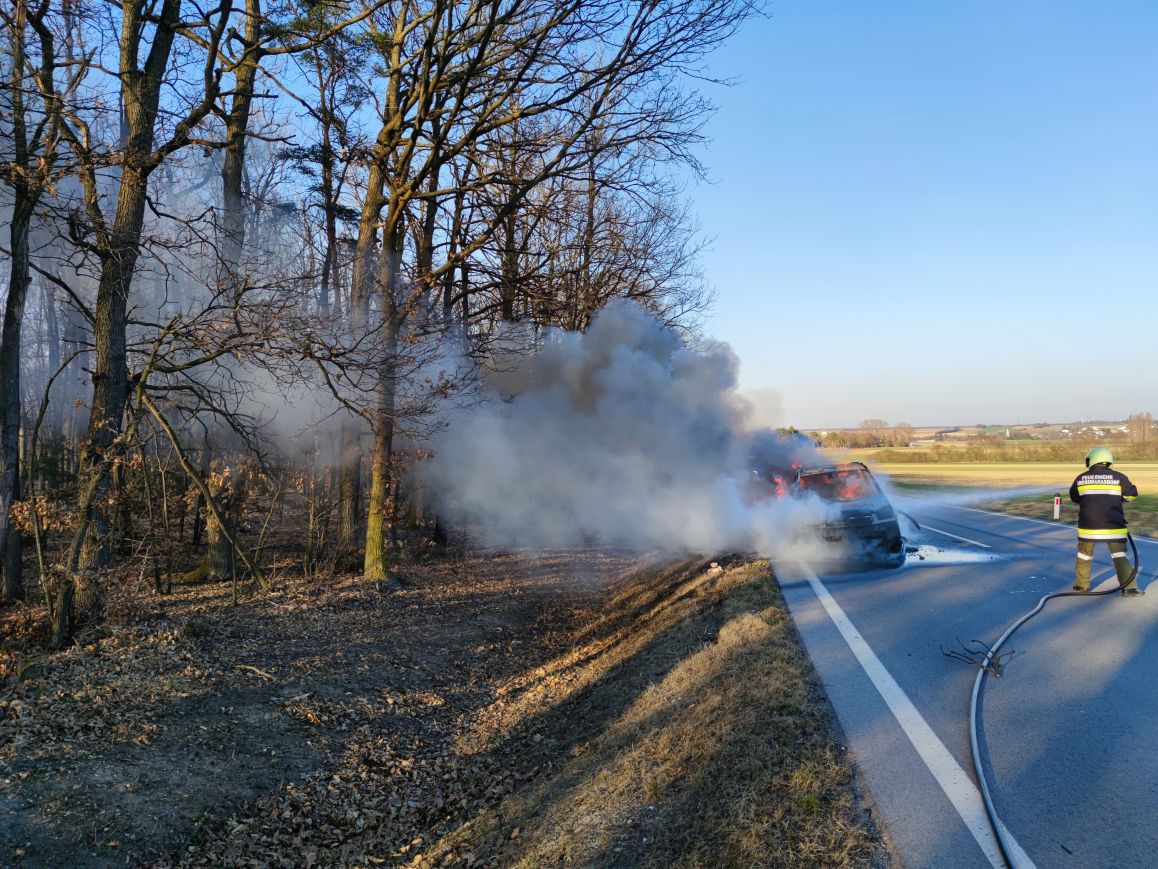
(902, 434)
(31, 167)
(874, 431)
(144, 53)
(536, 77)
(1141, 426)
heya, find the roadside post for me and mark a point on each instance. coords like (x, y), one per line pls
(1057, 505)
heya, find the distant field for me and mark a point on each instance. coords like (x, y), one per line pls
(1142, 513)
(1011, 474)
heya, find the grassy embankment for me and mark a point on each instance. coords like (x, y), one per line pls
(717, 752)
(921, 477)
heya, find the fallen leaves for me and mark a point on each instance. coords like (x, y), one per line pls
(182, 707)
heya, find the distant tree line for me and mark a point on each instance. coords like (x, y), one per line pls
(1139, 442)
(1015, 451)
(871, 433)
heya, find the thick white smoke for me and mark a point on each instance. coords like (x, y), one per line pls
(620, 435)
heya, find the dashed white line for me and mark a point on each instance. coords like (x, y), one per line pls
(954, 780)
(955, 536)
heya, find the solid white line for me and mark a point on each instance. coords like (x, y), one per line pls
(1012, 516)
(955, 536)
(1137, 539)
(954, 781)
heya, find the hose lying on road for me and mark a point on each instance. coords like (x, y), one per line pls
(998, 827)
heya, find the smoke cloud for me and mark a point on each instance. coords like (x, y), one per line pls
(620, 435)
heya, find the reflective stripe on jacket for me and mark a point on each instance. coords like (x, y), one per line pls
(1099, 493)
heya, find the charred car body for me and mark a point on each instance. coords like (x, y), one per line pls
(859, 518)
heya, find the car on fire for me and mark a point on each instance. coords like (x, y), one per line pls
(861, 515)
(859, 518)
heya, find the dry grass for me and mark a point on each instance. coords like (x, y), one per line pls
(1011, 474)
(722, 756)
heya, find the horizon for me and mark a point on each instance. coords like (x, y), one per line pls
(769, 414)
(959, 426)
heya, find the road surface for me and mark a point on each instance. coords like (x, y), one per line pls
(1069, 729)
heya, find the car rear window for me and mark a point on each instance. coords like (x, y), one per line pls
(846, 484)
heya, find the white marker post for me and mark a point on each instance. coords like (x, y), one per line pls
(1057, 506)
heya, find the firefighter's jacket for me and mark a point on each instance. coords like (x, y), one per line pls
(1099, 493)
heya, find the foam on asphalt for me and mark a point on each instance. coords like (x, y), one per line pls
(929, 554)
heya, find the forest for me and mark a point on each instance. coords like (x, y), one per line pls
(255, 249)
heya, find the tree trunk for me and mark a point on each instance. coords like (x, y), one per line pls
(377, 560)
(62, 626)
(328, 289)
(349, 490)
(118, 248)
(52, 434)
(232, 244)
(509, 271)
(10, 392)
(225, 491)
(110, 372)
(228, 490)
(24, 200)
(350, 510)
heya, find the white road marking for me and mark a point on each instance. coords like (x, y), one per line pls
(1137, 538)
(955, 536)
(954, 781)
(1012, 516)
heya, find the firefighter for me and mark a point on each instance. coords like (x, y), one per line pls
(1099, 492)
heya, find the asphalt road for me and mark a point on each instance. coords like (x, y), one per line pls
(1068, 729)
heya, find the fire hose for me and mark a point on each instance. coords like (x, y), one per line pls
(990, 810)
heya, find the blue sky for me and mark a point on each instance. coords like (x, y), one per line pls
(938, 212)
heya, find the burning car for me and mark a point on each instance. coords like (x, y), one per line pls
(860, 515)
(859, 518)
